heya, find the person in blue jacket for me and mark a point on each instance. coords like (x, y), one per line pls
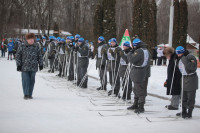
(10, 49)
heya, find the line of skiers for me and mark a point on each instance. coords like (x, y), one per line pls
(129, 64)
(70, 57)
(132, 65)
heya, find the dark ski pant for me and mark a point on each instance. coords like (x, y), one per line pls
(2, 53)
(52, 63)
(103, 77)
(28, 81)
(71, 69)
(159, 61)
(125, 86)
(140, 91)
(164, 60)
(10, 55)
(82, 77)
(61, 63)
(114, 82)
(188, 100)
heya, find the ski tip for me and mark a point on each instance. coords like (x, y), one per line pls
(100, 114)
(148, 119)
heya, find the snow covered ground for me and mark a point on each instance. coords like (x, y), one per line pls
(60, 107)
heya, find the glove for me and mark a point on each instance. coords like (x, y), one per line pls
(54, 51)
(19, 68)
(117, 50)
(76, 49)
(121, 53)
(66, 48)
(165, 84)
(103, 51)
(49, 57)
(111, 51)
(40, 67)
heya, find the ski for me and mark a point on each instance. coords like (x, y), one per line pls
(106, 110)
(163, 119)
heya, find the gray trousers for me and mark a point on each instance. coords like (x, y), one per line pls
(140, 91)
(188, 100)
(175, 100)
(103, 77)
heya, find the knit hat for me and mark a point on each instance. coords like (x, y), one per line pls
(180, 50)
(127, 44)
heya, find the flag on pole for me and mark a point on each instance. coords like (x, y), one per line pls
(126, 37)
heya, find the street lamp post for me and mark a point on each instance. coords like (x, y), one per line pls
(171, 23)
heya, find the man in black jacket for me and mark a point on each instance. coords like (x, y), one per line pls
(140, 73)
(101, 62)
(83, 61)
(28, 58)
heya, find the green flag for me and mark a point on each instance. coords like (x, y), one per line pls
(126, 37)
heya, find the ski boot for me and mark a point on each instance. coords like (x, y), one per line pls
(190, 113)
(134, 106)
(140, 108)
(170, 107)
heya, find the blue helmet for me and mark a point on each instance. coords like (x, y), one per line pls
(81, 40)
(114, 40)
(91, 43)
(71, 38)
(127, 44)
(101, 38)
(136, 41)
(109, 42)
(43, 37)
(67, 38)
(38, 39)
(77, 36)
(86, 41)
(52, 38)
(62, 40)
(180, 50)
(58, 39)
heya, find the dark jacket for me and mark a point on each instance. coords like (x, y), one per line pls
(154, 54)
(175, 85)
(29, 57)
(3, 46)
(190, 80)
(138, 72)
(52, 50)
(83, 53)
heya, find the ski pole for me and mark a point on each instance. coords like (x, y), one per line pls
(172, 78)
(104, 75)
(69, 64)
(115, 79)
(85, 76)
